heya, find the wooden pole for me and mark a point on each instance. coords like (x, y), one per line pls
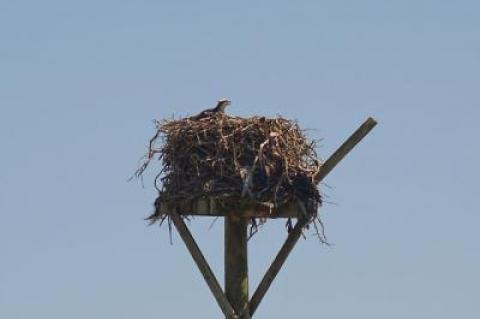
(203, 265)
(345, 148)
(236, 265)
(295, 234)
(277, 264)
(235, 299)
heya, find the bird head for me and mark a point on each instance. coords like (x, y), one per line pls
(223, 103)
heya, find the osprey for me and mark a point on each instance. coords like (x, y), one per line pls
(219, 108)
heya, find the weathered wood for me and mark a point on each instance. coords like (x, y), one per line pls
(345, 148)
(203, 265)
(295, 234)
(277, 264)
(236, 264)
(212, 207)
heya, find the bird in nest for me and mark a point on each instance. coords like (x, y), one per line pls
(219, 108)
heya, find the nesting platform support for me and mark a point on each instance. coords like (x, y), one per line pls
(234, 302)
(236, 265)
(203, 266)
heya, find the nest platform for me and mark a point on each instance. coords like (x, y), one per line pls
(215, 208)
(221, 165)
(243, 169)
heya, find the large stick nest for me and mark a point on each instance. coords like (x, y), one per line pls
(257, 159)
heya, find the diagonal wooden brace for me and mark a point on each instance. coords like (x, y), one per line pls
(295, 234)
(203, 266)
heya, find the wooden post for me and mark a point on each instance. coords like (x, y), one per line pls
(345, 148)
(234, 303)
(203, 265)
(293, 237)
(236, 265)
(277, 264)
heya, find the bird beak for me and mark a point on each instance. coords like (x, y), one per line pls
(224, 101)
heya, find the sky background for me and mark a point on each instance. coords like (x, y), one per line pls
(81, 82)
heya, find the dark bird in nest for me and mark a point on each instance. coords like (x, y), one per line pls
(219, 108)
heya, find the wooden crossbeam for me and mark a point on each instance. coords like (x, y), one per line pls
(295, 234)
(277, 264)
(203, 266)
(212, 207)
(345, 148)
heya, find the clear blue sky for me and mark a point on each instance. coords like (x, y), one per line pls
(80, 83)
